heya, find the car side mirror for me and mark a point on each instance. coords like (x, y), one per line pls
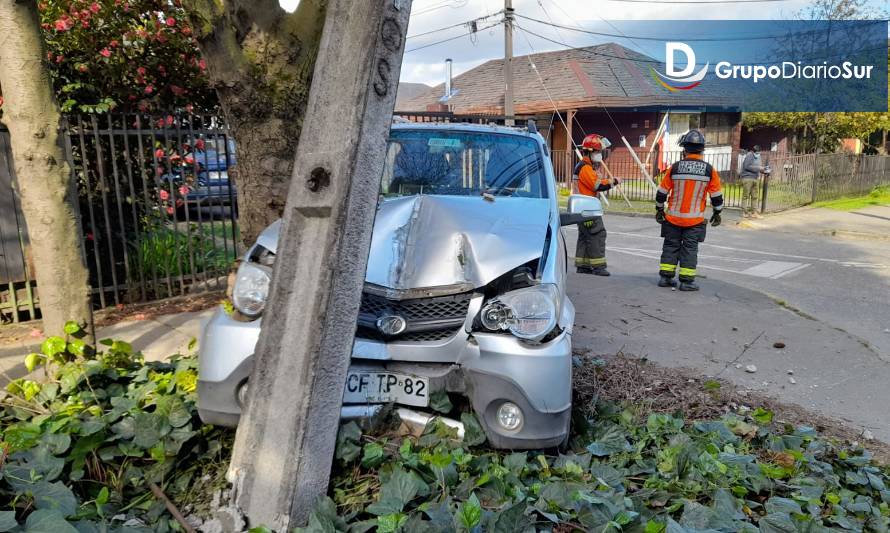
(581, 208)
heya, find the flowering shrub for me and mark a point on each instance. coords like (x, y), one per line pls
(132, 54)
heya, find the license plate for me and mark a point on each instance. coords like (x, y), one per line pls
(386, 387)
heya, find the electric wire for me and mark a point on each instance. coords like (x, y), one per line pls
(459, 24)
(685, 38)
(469, 33)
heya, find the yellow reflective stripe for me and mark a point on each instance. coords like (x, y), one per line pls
(668, 268)
(590, 261)
(687, 271)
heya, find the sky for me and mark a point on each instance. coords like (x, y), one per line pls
(427, 65)
(424, 60)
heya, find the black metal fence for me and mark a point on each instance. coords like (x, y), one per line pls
(157, 206)
(158, 211)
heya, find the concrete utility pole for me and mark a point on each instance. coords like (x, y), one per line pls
(285, 443)
(508, 61)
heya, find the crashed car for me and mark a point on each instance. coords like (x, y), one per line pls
(464, 293)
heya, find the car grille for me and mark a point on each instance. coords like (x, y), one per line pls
(428, 319)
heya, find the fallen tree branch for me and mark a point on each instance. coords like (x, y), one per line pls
(159, 494)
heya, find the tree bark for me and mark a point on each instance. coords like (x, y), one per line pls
(260, 60)
(43, 176)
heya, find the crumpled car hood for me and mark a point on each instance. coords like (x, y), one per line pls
(430, 241)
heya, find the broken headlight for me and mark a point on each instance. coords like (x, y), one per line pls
(529, 313)
(251, 289)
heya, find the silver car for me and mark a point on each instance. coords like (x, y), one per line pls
(464, 293)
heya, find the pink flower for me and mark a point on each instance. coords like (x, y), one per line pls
(59, 59)
(170, 210)
(186, 30)
(95, 7)
(189, 160)
(82, 67)
(140, 71)
(202, 64)
(169, 120)
(85, 24)
(171, 21)
(164, 194)
(114, 43)
(49, 56)
(160, 123)
(159, 153)
(184, 190)
(159, 171)
(63, 24)
(199, 144)
(105, 52)
(149, 89)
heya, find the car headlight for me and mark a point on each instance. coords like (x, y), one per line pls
(251, 289)
(529, 313)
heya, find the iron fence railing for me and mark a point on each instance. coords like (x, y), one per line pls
(158, 209)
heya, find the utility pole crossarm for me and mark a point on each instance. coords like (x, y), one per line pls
(285, 442)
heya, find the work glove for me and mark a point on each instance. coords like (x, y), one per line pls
(659, 215)
(715, 219)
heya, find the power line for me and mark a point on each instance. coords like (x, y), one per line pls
(685, 39)
(697, 1)
(455, 37)
(464, 23)
(587, 50)
(447, 3)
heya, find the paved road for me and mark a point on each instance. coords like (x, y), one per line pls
(826, 298)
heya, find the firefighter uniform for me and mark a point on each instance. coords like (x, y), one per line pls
(685, 188)
(590, 254)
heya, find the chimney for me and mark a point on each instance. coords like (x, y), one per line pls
(447, 78)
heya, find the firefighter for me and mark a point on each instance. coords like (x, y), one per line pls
(685, 187)
(590, 255)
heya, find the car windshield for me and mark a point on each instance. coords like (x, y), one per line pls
(462, 163)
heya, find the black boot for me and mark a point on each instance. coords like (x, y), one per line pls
(688, 285)
(601, 271)
(665, 281)
(584, 270)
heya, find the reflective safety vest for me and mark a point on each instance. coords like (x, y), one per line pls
(589, 182)
(688, 183)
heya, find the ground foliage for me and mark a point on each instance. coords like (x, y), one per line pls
(629, 468)
(82, 447)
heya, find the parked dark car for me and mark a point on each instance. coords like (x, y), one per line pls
(204, 171)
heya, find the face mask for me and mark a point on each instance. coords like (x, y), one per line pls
(597, 158)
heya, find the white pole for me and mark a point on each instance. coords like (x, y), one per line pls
(639, 163)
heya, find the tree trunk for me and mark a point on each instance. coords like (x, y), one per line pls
(260, 60)
(43, 175)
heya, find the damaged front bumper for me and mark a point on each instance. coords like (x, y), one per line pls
(488, 369)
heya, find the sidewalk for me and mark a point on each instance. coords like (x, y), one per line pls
(872, 222)
(157, 338)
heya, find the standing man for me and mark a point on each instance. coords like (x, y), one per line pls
(751, 169)
(590, 254)
(685, 187)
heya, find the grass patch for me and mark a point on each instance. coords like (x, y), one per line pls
(879, 196)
